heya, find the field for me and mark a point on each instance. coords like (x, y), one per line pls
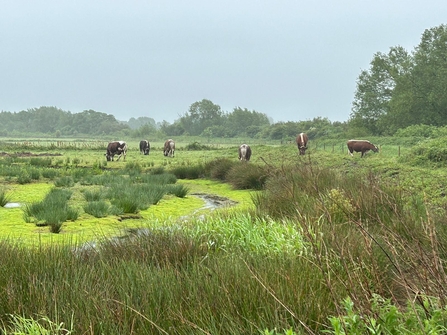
(285, 244)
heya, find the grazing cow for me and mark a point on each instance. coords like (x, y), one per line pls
(169, 148)
(301, 142)
(244, 153)
(116, 148)
(145, 147)
(362, 146)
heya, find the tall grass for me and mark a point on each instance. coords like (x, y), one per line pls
(316, 253)
(368, 237)
(53, 210)
(161, 282)
(4, 197)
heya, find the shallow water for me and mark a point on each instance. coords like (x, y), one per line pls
(13, 205)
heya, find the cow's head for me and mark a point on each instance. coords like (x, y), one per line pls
(302, 149)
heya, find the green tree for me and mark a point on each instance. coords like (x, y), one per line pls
(241, 120)
(375, 89)
(201, 115)
(402, 89)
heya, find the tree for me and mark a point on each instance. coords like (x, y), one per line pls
(430, 77)
(240, 120)
(201, 115)
(402, 89)
(375, 89)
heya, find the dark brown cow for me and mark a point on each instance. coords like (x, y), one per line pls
(244, 153)
(362, 146)
(145, 147)
(301, 142)
(169, 148)
(116, 148)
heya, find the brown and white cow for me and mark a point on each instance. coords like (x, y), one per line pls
(116, 148)
(244, 152)
(301, 142)
(362, 146)
(169, 148)
(145, 147)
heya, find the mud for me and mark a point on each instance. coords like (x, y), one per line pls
(28, 154)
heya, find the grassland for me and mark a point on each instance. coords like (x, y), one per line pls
(332, 243)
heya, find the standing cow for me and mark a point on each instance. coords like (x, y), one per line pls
(169, 148)
(301, 142)
(244, 153)
(116, 148)
(362, 146)
(145, 147)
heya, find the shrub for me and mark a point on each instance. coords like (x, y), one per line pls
(247, 176)
(218, 169)
(196, 146)
(189, 172)
(428, 152)
(387, 318)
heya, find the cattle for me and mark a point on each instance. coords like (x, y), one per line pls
(362, 146)
(116, 148)
(145, 147)
(169, 148)
(301, 142)
(244, 153)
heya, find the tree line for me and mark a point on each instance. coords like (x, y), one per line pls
(204, 118)
(400, 90)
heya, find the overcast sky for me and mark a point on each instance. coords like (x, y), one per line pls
(290, 59)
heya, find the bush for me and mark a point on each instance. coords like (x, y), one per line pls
(189, 172)
(432, 152)
(218, 169)
(196, 146)
(247, 176)
(387, 318)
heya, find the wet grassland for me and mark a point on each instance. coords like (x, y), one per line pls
(204, 244)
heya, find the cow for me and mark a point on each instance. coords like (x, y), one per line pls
(362, 146)
(169, 148)
(301, 142)
(145, 147)
(244, 153)
(116, 148)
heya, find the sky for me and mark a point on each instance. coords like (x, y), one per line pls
(292, 60)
